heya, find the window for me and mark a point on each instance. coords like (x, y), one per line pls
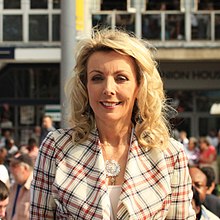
(38, 27)
(126, 21)
(56, 4)
(12, 27)
(151, 26)
(208, 123)
(99, 20)
(208, 5)
(24, 91)
(114, 5)
(205, 5)
(163, 5)
(30, 81)
(38, 4)
(12, 4)
(205, 99)
(175, 24)
(201, 26)
(56, 28)
(217, 26)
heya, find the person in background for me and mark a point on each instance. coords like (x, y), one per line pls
(11, 147)
(199, 181)
(31, 149)
(21, 168)
(6, 134)
(210, 174)
(212, 138)
(208, 155)
(175, 134)
(4, 199)
(3, 155)
(201, 212)
(47, 126)
(196, 203)
(212, 202)
(184, 139)
(36, 134)
(192, 152)
(117, 161)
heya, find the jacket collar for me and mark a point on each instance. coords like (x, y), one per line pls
(145, 169)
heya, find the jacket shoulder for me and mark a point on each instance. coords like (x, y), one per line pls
(61, 133)
(174, 148)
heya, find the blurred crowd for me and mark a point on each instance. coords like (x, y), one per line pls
(16, 170)
(203, 160)
(202, 151)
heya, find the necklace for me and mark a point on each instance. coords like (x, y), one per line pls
(112, 168)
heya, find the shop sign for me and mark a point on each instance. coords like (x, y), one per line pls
(191, 75)
(7, 53)
(54, 111)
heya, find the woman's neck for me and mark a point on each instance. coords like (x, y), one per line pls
(114, 135)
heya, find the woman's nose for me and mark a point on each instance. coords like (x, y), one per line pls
(109, 87)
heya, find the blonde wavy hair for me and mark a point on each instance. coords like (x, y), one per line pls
(150, 109)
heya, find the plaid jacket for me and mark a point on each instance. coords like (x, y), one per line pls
(69, 182)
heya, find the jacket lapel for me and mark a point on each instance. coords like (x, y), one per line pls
(146, 183)
(80, 176)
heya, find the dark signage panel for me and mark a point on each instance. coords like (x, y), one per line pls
(7, 52)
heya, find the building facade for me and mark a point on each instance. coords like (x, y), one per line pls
(186, 34)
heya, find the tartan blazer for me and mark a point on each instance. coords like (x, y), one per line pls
(69, 181)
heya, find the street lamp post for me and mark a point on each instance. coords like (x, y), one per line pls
(68, 40)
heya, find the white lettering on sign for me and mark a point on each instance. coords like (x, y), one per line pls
(190, 75)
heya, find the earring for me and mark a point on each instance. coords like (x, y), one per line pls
(137, 115)
(138, 118)
(87, 111)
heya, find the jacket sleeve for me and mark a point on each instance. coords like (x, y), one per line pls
(181, 186)
(42, 203)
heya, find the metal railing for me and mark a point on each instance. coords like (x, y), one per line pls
(42, 26)
(164, 25)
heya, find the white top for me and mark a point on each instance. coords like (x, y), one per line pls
(114, 194)
(4, 177)
(208, 215)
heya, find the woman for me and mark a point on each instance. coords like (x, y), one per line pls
(208, 156)
(117, 162)
(31, 149)
(192, 152)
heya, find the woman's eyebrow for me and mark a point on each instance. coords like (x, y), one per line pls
(95, 70)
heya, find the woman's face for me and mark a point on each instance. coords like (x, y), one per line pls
(112, 86)
(203, 145)
(191, 145)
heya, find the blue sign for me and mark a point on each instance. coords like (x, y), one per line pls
(7, 52)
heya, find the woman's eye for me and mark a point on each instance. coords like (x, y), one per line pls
(121, 78)
(97, 78)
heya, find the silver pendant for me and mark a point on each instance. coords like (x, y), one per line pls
(112, 168)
